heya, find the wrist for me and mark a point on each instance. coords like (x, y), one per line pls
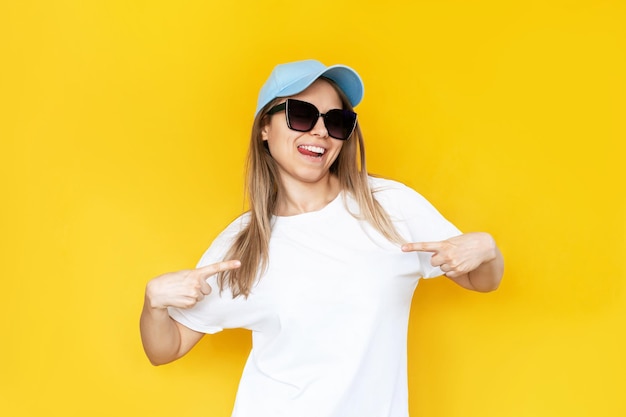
(491, 249)
(151, 300)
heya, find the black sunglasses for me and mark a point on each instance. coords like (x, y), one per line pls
(302, 117)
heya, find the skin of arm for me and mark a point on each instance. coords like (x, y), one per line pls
(485, 278)
(471, 260)
(164, 339)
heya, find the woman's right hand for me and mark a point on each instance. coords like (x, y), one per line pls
(183, 289)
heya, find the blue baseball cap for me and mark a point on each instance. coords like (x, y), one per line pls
(294, 77)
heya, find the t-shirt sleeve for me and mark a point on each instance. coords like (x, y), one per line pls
(415, 218)
(218, 310)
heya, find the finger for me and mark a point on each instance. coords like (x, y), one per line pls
(186, 302)
(453, 274)
(208, 270)
(422, 247)
(437, 260)
(205, 288)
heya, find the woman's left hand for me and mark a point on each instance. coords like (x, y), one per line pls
(459, 255)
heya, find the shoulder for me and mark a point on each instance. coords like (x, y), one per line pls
(235, 227)
(384, 184)
(400, 200)
(394, 192)
(224, 240)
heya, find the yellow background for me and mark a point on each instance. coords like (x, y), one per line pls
(124, 126)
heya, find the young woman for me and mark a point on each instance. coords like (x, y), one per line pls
(322, 268)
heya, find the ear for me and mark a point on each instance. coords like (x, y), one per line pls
(265, 131)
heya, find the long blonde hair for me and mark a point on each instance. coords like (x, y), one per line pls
(251, 246)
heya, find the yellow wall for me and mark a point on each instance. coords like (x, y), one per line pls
(123, 128)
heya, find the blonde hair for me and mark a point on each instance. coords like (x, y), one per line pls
(251, 246)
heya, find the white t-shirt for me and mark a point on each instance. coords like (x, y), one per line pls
(329, 317)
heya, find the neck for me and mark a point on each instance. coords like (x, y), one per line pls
(302, 197)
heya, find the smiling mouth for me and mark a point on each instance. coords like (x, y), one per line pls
(310, 150)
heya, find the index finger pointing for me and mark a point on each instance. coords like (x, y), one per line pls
(422, 247)
(212, 269)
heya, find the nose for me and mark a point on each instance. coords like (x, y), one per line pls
(319, 129)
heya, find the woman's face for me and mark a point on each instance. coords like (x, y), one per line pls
(305, 157)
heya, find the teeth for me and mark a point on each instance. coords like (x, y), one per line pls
(315, 149)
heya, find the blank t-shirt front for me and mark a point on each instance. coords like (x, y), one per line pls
(329, 316)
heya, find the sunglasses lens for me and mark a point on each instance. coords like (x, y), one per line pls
(302, 115)
(340, 123)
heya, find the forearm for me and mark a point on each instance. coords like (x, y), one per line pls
(487, 276)
(159, 334)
